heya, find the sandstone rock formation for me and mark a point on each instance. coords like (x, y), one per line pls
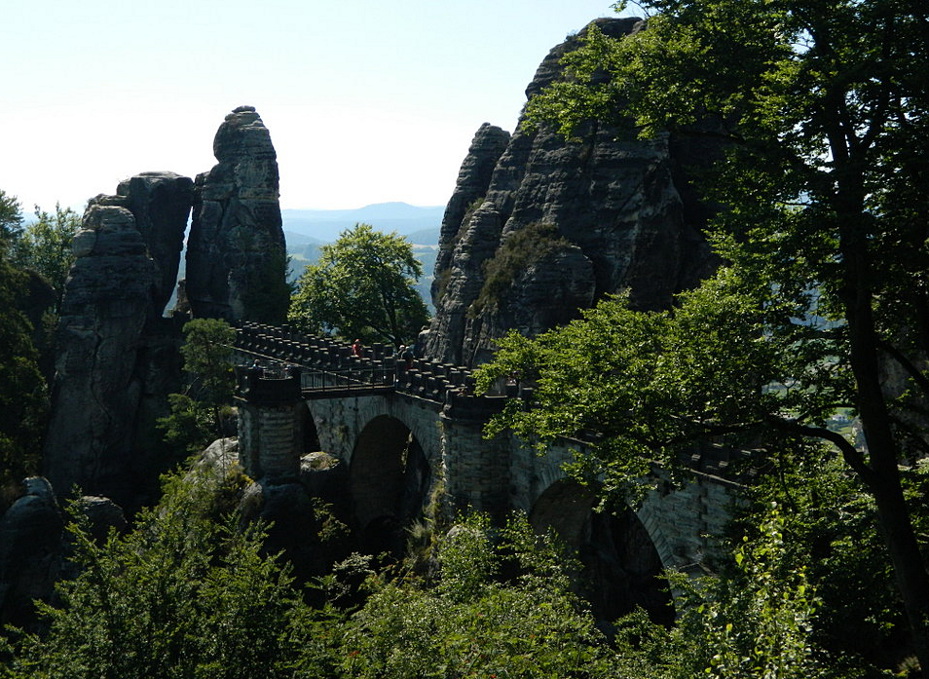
(117, 357)
(236, 255)
(160, 203)
(557, 225)
(30, 551)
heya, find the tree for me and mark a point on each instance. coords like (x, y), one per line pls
(186, 593)
(11, 218)
(45, 245)
(197, 414)
(475, 621)
(362, 288)
(754, 623)
(23, 398)
(823, 107)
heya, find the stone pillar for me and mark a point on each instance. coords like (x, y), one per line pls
(476, 470)
(269, 425)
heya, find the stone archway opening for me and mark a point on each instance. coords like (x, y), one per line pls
(621, 566)
(389, 483)
(309, 435)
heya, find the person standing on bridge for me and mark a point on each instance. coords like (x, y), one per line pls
(357, 348)
(406, 353)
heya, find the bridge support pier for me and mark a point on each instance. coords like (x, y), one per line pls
(269, 427)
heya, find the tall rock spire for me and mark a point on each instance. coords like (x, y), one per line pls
(236, 256)
(115, 352)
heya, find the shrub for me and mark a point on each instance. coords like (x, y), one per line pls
(519, 251)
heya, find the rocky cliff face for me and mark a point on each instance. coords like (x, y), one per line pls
(115, 353)
(117, 356)
(556, 225)
(236, 255)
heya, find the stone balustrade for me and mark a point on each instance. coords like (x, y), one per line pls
(327, 363)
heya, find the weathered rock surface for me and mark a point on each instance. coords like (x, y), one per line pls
(30, 551)
(160, 203)
(473, 180)
(117, 358)
(236, 255)
(97, 389)
(607, 213)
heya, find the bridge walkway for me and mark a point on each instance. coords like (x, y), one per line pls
(328, 369)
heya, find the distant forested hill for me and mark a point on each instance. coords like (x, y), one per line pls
(325, 225)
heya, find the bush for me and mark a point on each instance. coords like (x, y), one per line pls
(476, 622)
(180, 596)
(520, 250)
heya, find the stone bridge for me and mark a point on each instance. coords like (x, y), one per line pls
(410, 433)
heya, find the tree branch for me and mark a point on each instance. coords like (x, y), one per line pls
(852, 456)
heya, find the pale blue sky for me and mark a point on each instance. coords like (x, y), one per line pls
(366, 101)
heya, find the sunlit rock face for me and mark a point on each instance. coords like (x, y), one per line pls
(116, 355)
(607, 213)
(160, 203)
(235, 252)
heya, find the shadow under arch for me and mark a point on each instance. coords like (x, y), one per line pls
(309, 434)
(389, 482)
(621, 566)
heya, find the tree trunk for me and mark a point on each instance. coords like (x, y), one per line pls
(909, 568)
(883, 476)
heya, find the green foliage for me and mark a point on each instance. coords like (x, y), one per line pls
(647, 382)
(829, 529)
(179, 596)
(331, 528)
(519, 251)
(197, 416)
(23, 397)
(11, 219)
(45, 245)
(818, 108)
(269, 291)
(189, 427)
(207, 352)
(755, 623)
(758, 623)
(475, 624)
(362, 287)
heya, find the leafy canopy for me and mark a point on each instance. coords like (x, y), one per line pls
(23, 394)
(821, 109)
(11, 218)
(475, 622)
(197, 415)
(362, 287)
(185, 594)
(45, 245)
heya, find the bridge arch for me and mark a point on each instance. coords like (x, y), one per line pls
(309, 434)
(389, 481)
(621, 563)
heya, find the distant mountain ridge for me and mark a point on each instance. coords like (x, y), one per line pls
(326, 225)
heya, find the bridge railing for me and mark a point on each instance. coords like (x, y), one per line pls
(360, 377)
(330, 367)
